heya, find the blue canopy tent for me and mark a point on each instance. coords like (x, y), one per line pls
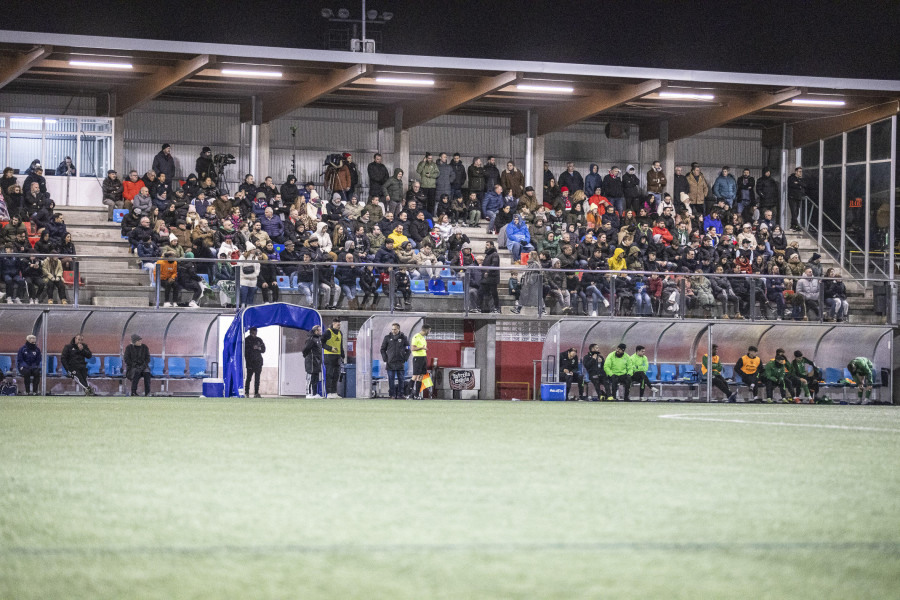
(286, 315)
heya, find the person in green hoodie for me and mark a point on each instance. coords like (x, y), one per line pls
(807, 374)
(773, 374)
(639, 367)
(862, 370)
(618, 372)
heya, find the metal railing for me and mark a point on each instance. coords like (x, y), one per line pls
(607, 293)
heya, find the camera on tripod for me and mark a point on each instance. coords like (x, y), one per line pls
(220, 161)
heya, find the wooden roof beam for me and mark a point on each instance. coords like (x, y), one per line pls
(14, 67)
(560, 116)
(695, 122)
(420, 111)
(133, 95)
(277, 104)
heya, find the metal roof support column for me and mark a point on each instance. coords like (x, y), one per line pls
(401, 145)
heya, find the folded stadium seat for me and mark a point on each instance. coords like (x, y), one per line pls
(112, 366)
(69, 278)
(157, 366)
(5, 364)
(33, 239)
(197, 367)
(832, 376)
(119, 214)
(418, 286)
(52, 365)
(177, 366)
(284, 281)
(446, 273)
(653, 372)
(668, 372)
(688, 372)
(456, 286)
(376, 369)
(728, 371)
(93, 366)
(29, 228)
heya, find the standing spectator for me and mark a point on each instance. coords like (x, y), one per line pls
(112, 192)
(204, 165)
(491, 174)
(767, 193)
(137, 364)
(249, 276)
(164, 163)
(28, 362)
(354, 175)
(254, 348)
(681, 184)
(698, 189)
(476, 179)
(593, 182)
(290, 192)
(747, 369)
(312, 361)
(490, 279)
(718, 381)
(725, 187)
(428, 174)
(569, 372)
(796, 193)
(572, 179)
(393, 189)
(378, 176)
(863, 373)
(459, 177)
(618, 372)
(612, 189)
(593, 366)
(74, 359)
(445, 179)
(656, 181)
(419, 347)
(631, 186)
(548, 175)
(394, 353)
(746, 193)
(333, 344)
(513, 181)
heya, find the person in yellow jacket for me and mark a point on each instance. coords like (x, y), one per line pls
(639, 367)
(747, 369)
(618, 372)
(333, 345)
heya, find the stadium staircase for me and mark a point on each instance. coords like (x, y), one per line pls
(123, 283)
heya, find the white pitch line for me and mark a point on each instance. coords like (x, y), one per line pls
(703, 417)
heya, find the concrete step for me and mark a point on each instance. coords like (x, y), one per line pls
(131, 301)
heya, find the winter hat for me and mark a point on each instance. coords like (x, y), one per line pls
(205, 150)
(684, 198)
(138, 211)
(135, 338)
(335, 196)
(173, 237)
(564, 189)
(164, 146)
(189, 254)
(260, 194)
(816, 256)
(467, 245)
(529, 189)
(346, 155)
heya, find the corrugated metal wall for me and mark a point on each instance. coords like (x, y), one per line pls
(48, 104)
(713, 149)
(188, 126)
(587, 143)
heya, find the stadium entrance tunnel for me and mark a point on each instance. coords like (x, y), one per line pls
(285, 315)
(675, 349)
(369, 368)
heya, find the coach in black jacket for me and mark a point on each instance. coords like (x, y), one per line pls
(568, 371)
(395, 352)
(593, 365)
(137, 364)
(74, 359)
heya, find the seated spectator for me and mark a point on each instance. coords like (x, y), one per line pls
(835, 297)
(188, 279)
(808, 288)
(272, 225)
(52, 269)
(518, 238)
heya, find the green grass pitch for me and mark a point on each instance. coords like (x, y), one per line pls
(189, 498)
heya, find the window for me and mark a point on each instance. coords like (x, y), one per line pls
(86, 140)
(58, 147)
(96, 155)
(24, 148)
(809, 156)
(834, 151)
(880, 143)
(856, 145)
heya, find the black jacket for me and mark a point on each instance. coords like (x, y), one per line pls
(593, 364)
(491, 259)
(73, 358)
(566, 363)
(680, 185)
(459, 175)
(378, 176)
(204, 168)
(312, 354)
(796, 188)
(137, 360)
(395, 351)
(612, 187)
(253, 351)
(164, 163)
(767, 191)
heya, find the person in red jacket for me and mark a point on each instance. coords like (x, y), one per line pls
(131, 187)
(664, 234)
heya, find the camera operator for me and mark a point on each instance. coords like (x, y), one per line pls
(204, 166)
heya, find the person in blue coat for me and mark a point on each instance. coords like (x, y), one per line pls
(518, 238)
(593, 181)
(491, 205)
(725, 187)
(28, 361)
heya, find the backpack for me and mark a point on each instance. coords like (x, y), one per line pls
(8, 387)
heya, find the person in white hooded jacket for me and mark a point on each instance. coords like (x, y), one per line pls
(324, 239)
(249, 269)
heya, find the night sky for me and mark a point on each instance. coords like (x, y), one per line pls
(832, 39)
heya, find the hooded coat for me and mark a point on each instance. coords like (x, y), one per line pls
(393, 187)
(593, 181)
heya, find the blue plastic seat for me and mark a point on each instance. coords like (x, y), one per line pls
(157, 366)
(197, 367)
(284, 282)
(52, 365)
(418, 286)
(437, 287)
(832, 376)
(93, 366)
(376, 369)
(119, 214)
(668, 372)
(728, 371)
(456, 287)
(446, 273)
(112, 366)
(204, 277)
(5, 364)
(177, 366)
(653, 372)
